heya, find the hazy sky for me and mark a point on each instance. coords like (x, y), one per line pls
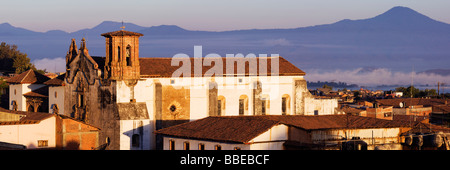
(213, 15)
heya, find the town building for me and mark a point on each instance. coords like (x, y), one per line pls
(27, 92)
(283, 132)
(441, 115)
(36, 130)
(412, 106)
(129, 97)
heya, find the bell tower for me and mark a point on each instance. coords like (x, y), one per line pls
(122, 55)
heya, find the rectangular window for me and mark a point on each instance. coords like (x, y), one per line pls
(241, 106)
(219, 107)
(80, 100)
(283, 106)
(263, 107)
(171, 145)
(42, 143)
(201, 146)
(218, 147)
(172, 81)
(186, 146)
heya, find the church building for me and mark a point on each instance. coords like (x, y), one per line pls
(129, 97)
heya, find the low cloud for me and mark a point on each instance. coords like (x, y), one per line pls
(51, 64)
(359, 76)
(374, 77)
(277, 42)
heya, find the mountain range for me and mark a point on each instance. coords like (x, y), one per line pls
(399, 39)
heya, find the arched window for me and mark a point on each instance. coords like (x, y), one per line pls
(128, 55)
(14, 105)
(285, 104)
(55, 109)
(30, 108)
(265, 104)
(243, 105)
(221, 106)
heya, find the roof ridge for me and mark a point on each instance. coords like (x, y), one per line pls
(26, 75)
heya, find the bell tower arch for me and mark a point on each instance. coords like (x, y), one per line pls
(122, 55)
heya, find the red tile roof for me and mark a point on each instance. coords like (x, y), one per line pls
(35, 118)
(57, 81)
(40, 92)
(161, 67)
(414, 101)
(421, 127)
(121, 33)
(229, 129)
(30, 76)
(29, 117)
(242, 129)
(441, 109)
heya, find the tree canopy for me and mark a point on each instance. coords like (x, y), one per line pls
(416, 92)
(12, 60)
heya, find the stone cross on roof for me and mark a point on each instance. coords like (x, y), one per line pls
(123, 27)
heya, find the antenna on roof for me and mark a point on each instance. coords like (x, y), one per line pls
(411, 95)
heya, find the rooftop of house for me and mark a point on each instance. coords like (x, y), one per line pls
(26, 117)
(57, 81)
(243, 129)
(441, 109)
(411, 102)
(40, 92)
(35, 118)
(28, 77)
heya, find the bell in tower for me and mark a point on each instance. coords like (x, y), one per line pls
(122, 55)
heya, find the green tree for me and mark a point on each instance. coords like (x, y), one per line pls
(22, 63)
(12, 60)
(327, 87)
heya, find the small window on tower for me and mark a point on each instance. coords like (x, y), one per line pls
(118, 53)
(128, 57)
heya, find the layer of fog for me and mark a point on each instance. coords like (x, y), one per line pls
(359, 76)
(376, 77)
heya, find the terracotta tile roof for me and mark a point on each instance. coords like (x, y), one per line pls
(408, 118)
(441, 109)
(121, 33)
(29, 117)
(408, 102)
(421, 127)
(228, 129)
(161, 67)
(40, 92)
(57, 81)
(351, 110)
(30, 76)
(335, 122)
(242, 129)
(35, 118)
